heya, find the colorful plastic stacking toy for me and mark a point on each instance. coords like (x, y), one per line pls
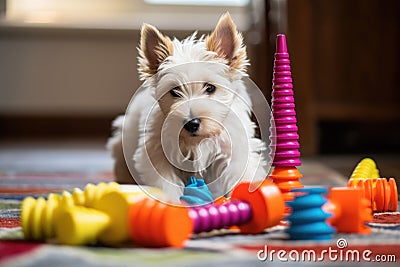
(284, 144)
(308, 220)
(112, 214)
(315, 218)
(252, 212)
(380, 192)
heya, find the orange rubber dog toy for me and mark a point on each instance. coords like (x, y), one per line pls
(381, 193)
(350, 210)
(157, 224)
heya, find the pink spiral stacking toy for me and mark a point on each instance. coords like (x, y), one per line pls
(283, 109)
(285, 141)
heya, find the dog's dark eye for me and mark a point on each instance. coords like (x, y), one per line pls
(210, 88)
(174, 92)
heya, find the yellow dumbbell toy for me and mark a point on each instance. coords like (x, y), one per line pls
(99, 213)
(38, 215)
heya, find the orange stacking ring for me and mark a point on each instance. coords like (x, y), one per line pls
(394, 200)
(381, 193)
(287, 178)
(386, 196)
(267, 206)
(155, 224)
(139, 213)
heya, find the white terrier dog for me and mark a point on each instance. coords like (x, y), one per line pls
(191, 117)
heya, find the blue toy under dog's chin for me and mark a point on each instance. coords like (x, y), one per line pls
(196, 192)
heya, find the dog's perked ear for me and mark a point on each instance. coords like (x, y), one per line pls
(154, 49)
(227, 42)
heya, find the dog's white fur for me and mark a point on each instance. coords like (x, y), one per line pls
(150, 138)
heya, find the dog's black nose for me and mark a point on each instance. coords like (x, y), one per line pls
(192, 125)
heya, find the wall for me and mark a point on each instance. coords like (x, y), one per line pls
(68, 72)
(54, 65)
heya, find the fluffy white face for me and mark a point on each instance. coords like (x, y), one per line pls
(195, 81)
(195, 98)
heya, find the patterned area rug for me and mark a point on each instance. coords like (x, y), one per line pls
(218, 248)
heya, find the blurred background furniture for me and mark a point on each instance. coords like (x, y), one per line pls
(68, 67)
(346, 66)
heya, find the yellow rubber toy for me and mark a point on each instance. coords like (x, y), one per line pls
(38, 216)
(97, 214)
(80, 225)
(366, 168)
